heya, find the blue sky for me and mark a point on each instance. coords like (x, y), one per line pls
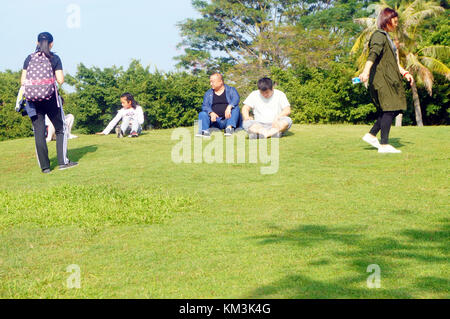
(109, 32)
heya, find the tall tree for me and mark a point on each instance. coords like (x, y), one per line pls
(238, 30)
(421, 62)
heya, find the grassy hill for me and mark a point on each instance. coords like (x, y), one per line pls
(139, 225)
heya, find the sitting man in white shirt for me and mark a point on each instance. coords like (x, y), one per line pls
(271, 110)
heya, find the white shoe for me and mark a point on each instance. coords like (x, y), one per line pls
(388, 149)
(71, 136)
(368, 138)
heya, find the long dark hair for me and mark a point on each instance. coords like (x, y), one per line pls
(130, 98)
(44, 41)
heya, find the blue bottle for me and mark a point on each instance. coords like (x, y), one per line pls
(356, 80)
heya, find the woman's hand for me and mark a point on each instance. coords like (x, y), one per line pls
(409, 78)
(364, 77)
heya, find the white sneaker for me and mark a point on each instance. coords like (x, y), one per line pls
(368, 138)
(388, 149)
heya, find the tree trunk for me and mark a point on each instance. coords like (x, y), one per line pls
(399, 120)
(416, 104)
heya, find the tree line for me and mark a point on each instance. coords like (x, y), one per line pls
(311, 49)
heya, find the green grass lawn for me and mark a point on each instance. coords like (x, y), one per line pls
(140, 226)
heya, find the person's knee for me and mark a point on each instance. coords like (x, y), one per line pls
(285, 123)
(203, 118)
(70, 119)
(246, 125)
(252, 126)
(203, 115)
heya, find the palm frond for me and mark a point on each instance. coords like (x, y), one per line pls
(422, 74)
(376, 8)
(367, 22)
(408, 9)
(361, 61)
(436, 66)
(441, 52)
(415, 19)
(362, 40)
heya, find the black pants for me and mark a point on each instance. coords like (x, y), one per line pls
(55, 114)
(384, 123)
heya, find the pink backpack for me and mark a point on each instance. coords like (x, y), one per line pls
(40, 80)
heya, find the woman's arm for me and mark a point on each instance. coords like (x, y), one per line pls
(59, 76)
(23, 77)
(364, 76)
(140, 115)
(404, 72)
(113, 123)
(376, 46)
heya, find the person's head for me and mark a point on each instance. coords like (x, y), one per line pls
(128, 101)
(387, 20)
(45, 43)
(265, 87)
(216, 81)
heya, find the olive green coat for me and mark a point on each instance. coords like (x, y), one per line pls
(385, 80)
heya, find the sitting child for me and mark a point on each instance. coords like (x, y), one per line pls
(68, 123)
(132, 117)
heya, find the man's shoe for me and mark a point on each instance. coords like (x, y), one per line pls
(119, 132)
(205, 133)
(46, 171)
(134, 134)
(68, 165)
(388, 149)
(229, 131)
(253, 136)
(368, 138)
(277, 135)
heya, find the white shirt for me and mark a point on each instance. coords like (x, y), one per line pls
(133, 114)
(266, 110)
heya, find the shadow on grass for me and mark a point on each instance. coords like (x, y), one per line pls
(300, 287)
(78, 153)
(308, 235)
(393, 255)
(395, 141)
(75, 154)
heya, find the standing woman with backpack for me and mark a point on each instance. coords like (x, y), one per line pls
(41, 70)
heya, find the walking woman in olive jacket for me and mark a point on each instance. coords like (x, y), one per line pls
(384, 73)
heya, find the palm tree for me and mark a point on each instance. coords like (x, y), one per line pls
(419, 62)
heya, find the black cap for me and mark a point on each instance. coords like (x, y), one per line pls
(45, 36)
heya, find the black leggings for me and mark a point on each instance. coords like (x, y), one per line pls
(55, 114)
(384, 123)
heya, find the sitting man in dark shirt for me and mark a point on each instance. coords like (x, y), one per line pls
(220, 108)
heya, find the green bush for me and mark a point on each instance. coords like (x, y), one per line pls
(168, 100)
(324, 96)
